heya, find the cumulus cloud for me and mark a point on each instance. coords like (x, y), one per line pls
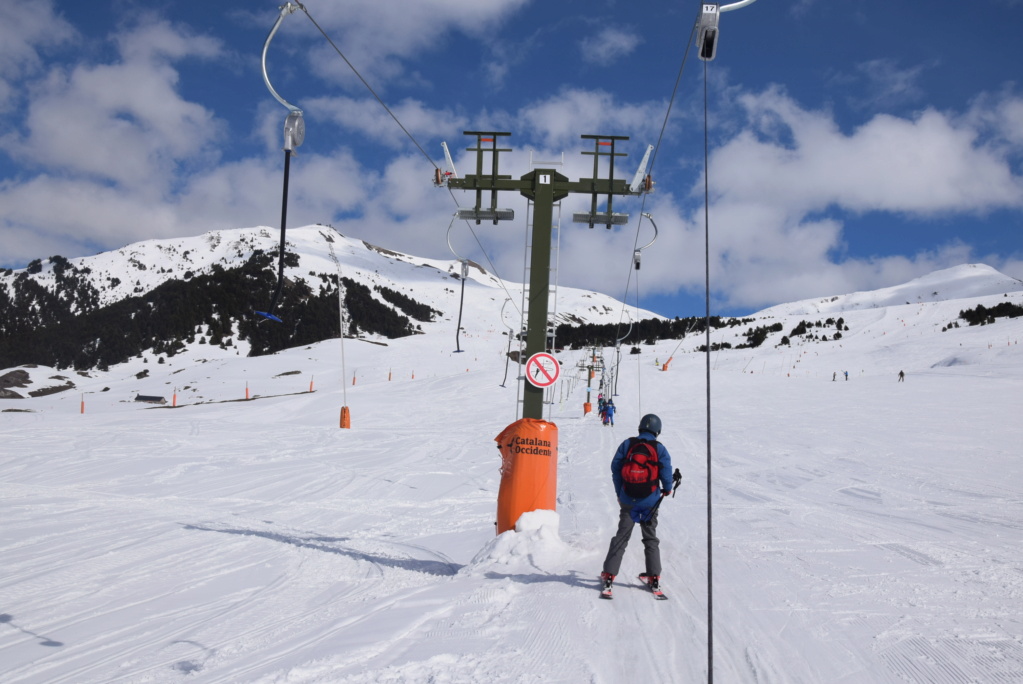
(122, 122)
(926, 165)
(24, 33)
(609, 45)
(791, 164)
(410, 28)
(367, 117)
(558, 121)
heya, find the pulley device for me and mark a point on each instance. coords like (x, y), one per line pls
(707, 27)
(294, 134)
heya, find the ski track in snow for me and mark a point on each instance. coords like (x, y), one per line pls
(863, 530)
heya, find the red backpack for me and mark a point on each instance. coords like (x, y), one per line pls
(641, 470)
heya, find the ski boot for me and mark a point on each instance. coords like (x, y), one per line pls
(606, 580)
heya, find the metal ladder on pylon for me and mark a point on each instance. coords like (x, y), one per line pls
(552, 296)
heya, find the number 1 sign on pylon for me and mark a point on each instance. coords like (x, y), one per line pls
(542, 370)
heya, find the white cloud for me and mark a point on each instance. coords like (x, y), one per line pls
(888, 85)
(24, 32)
(410, 27)
(925, 165)
(609, 45)
(123, 122)
(558, 121)
(368, 117)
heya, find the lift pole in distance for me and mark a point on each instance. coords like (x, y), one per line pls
(544, 187)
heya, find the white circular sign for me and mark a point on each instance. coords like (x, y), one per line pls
(542, 370)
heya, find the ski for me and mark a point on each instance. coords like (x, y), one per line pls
(606, 594)
(658, 593)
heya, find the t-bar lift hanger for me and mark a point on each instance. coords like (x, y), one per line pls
(294, 134)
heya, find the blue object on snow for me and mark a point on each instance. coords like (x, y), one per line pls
(264, 314)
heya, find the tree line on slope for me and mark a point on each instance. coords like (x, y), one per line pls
(67, 328)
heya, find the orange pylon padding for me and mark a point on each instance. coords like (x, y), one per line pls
(665, 367)
(587, 407)
(346, 418)
(529, 470)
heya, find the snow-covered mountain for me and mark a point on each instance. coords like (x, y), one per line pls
(162, 296)
(959, 282)
(140, 267)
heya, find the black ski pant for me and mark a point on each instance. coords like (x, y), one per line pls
(651, 545)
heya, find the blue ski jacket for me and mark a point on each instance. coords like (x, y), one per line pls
(663, 457)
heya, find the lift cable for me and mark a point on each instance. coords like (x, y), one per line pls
(707, 44)
(294, 118)
(365, 83)
(706, 265)
(653, 158)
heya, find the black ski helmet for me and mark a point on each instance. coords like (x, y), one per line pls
(650, 423)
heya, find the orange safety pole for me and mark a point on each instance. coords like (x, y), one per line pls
(353, 378)
(246, 389)
(311, 379)
(83, 403)
(174, 400)
(346, 418)
(388, 375)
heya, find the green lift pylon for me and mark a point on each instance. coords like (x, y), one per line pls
(544, 187)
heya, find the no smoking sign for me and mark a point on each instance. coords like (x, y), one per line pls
(542, 370)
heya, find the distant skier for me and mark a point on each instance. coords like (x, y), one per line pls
(609, 413)
(902, 377)
(834, 375)
(640, 484)
(846, 375)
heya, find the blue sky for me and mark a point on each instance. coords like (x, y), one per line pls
(853, 145)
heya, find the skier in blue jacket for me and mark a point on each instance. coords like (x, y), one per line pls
(641, 510)
(609, 413)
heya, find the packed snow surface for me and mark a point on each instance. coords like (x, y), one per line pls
(864, 530)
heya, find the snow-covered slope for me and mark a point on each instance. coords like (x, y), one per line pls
(960, 282)
(865, 530)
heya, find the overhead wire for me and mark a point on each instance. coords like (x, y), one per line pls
(639, 223)
(405, 130)
(366, 83)
(706, 263)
